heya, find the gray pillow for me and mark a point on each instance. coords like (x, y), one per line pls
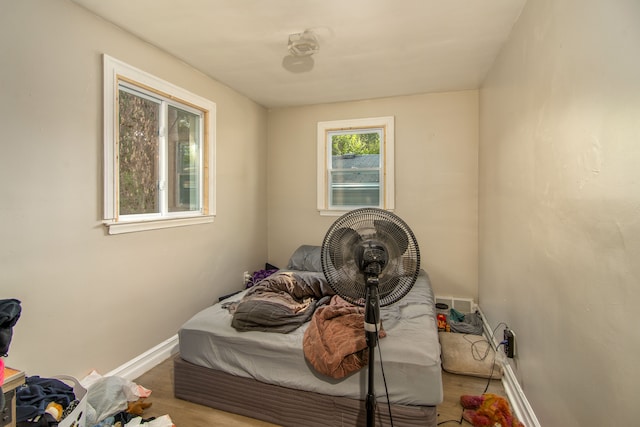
(306, 258)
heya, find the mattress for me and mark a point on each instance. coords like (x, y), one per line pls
(409, 355)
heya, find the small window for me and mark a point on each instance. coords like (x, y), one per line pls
(355, 164)
(159, 147)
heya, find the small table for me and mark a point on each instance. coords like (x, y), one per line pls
(12, 380)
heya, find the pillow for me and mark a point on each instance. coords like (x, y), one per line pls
(306, 258)
(471, 355)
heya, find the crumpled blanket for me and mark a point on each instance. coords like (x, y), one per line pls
(335, 342)
(281, 302)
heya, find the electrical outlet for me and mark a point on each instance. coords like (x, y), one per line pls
(509, 343)
(246, 277)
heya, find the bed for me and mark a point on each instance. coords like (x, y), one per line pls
(265, 375)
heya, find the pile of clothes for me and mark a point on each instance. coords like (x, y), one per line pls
(43, 401)
(110, 402)
(46, 402)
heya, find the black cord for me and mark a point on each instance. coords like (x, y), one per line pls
(475, 353)
(493, 333)
(384, 377)
(493, 365)
(452, 421)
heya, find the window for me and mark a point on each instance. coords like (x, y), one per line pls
(355, 164)
(159, 152)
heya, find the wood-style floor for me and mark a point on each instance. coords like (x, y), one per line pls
(186, 414)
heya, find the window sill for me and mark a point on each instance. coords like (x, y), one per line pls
(329, 212)
(336, 212)
(132, 227)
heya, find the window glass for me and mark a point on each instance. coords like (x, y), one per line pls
(354, 176)
(159, 152)
(184, 160)
(355, 164)
(139, 121)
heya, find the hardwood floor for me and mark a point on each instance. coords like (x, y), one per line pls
(455, 386)
(186, 414)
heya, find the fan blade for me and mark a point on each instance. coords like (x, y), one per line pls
(392, 233)
(344, 240)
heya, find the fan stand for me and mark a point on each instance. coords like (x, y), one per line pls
(372, 328)
(378, 246)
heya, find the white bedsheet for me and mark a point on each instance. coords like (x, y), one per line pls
(410, 352)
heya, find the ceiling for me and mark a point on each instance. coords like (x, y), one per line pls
(368, 48)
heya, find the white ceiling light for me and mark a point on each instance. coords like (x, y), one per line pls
(303, 44)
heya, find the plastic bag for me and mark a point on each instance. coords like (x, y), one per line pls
(108, 396)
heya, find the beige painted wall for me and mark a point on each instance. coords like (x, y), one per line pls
(92, 301)
(559, 212)
(436, 179)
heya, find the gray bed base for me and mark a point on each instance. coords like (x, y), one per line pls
(285, 406)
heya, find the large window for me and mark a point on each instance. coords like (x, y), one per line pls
(355, 164)
(159, 149)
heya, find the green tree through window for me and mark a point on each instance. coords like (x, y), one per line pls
(355, 143)
(138, 154)
(355, 164)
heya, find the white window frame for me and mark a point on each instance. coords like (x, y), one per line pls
(387, 155)
(116, 71)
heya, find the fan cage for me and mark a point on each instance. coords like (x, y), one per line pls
(370, 226)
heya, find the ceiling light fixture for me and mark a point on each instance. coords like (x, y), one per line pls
(303, 44)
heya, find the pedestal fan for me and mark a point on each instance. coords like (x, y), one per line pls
(370, 258)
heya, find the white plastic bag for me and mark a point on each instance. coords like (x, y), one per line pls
(107, 396)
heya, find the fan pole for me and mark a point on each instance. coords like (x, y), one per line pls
(381, 247)
(371, 327)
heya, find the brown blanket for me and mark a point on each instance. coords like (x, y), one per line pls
(335, 342)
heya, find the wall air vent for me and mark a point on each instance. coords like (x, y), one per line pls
(463, 305)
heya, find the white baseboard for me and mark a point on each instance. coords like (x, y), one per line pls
(147, 360)
(515, 394)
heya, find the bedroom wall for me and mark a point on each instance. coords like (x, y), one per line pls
(436, 139)
(93, 301)
(559, 213)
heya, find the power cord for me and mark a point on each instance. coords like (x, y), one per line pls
(481, 358)
(384, 379)
(452, 421)
(493, 366)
